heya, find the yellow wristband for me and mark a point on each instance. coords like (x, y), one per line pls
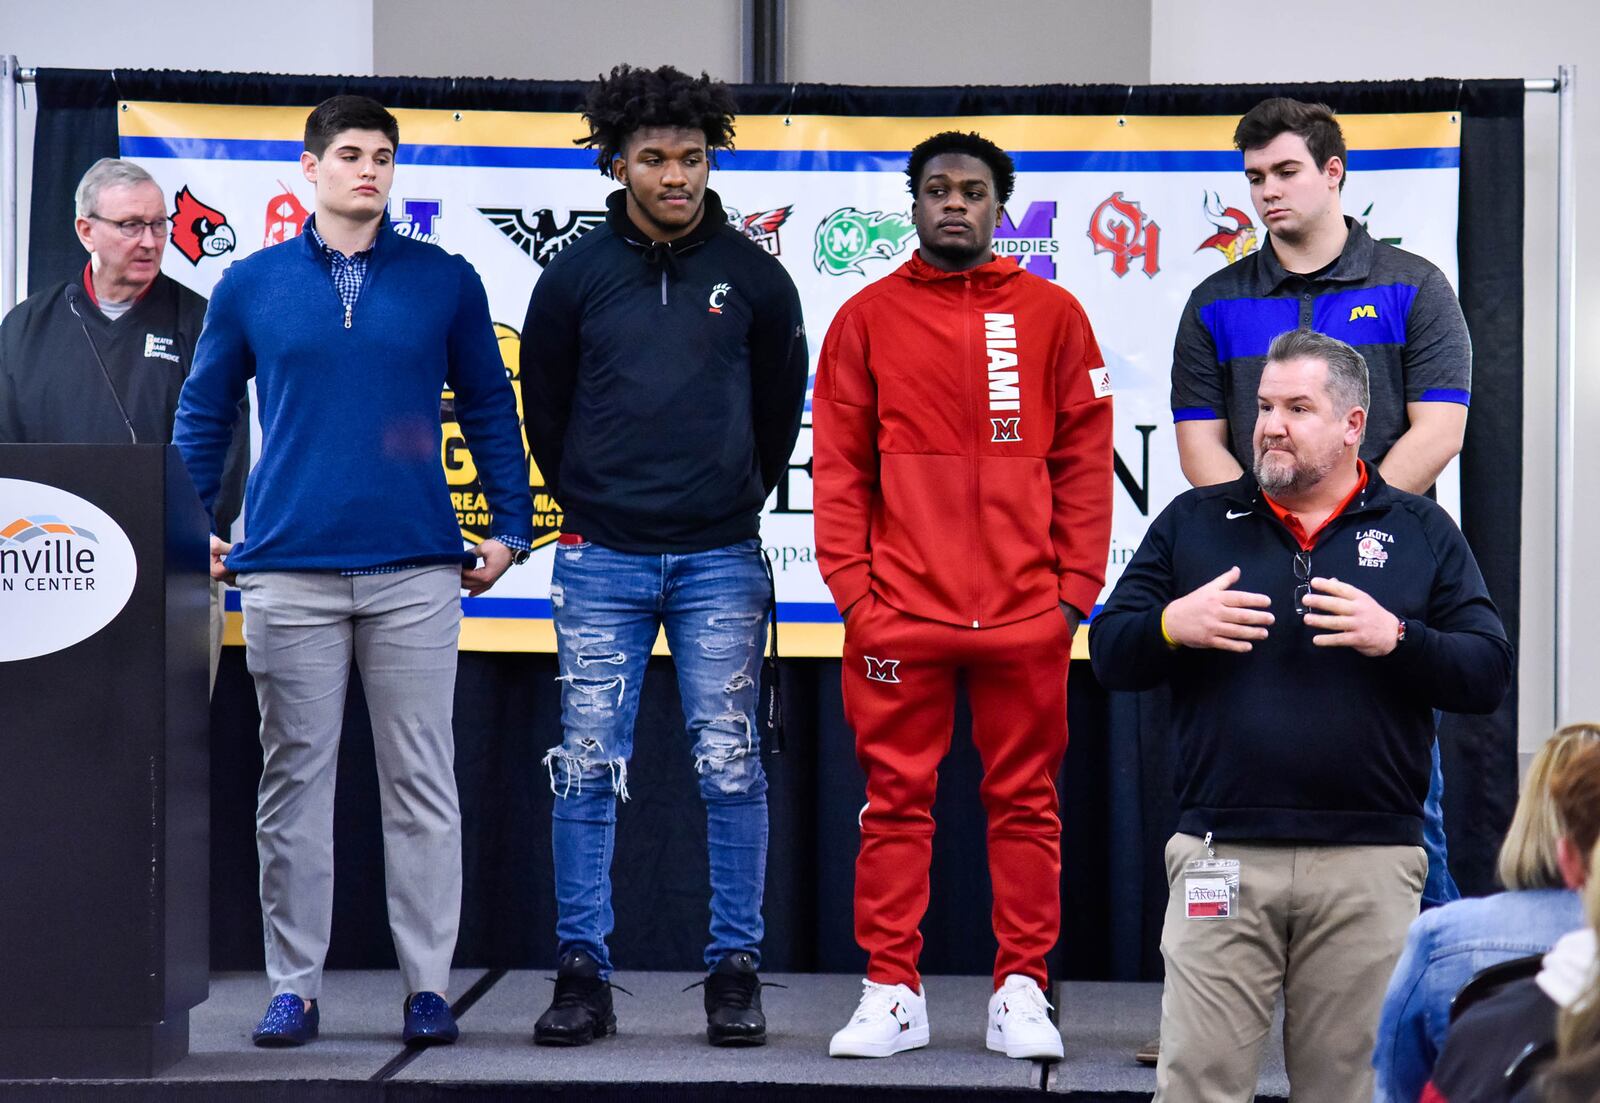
(1172, 643)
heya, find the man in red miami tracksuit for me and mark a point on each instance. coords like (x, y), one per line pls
(963, 513)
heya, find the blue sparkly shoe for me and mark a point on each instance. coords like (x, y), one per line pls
(287, 1022)
(429, 1021)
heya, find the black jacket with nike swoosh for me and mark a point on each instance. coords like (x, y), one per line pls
(662, 383)
(1292, 741)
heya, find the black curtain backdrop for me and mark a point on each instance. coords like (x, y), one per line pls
(1116, 785)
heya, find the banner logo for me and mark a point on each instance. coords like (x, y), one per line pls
(418, 218)
(1236, 234)
(761, 227)
(198, 230)
(286, 217)
(66, 569)
(1120, 228)
(542, 238)
(848, 237)
(1032, 241)
(473, 516)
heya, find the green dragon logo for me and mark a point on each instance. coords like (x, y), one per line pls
(847, 237)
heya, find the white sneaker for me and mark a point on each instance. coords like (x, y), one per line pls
(890, 1019)
(1019, 1021)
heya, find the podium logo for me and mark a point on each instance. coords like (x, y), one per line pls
(66, 569)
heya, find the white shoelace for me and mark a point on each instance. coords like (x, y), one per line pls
(876, 1000)
(1026, 1003)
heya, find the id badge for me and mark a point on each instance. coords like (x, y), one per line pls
(1211, 888)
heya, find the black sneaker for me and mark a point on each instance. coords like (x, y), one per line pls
(581, 1009)
(733, 1003)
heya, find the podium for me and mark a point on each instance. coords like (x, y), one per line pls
(104, 793)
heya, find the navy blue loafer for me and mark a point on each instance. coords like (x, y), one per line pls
(429, 1021)
(287, 1022)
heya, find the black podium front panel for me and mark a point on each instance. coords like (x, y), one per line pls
(103, 795)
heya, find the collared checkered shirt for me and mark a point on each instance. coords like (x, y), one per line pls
(348, 275)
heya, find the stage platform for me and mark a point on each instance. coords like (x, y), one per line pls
(659, 1051)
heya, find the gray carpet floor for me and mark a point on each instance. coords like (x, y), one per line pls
(661, 1037)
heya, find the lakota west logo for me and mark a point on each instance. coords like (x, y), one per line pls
(761, 227)
(1031, 242)
(1236, 237)
(538, 234)
(418, 218)
(66, 569)
(1369, 548)
(1366, 311)
(1119, 227)
(286, 217)
(159, 348)
(882, 670)
(199, 231)
(849, 237)
(719, 294)
(473, 516)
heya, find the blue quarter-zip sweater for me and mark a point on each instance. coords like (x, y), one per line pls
(349, 474)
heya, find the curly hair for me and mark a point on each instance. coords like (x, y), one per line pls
(973, 145)
(631, 99)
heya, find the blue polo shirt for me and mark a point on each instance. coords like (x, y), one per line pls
(1393, 306)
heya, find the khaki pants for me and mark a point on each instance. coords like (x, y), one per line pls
(1323, 924)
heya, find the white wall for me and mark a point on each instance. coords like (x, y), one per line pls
(553, 39)
(958, 42)
(1227, 40)
(287, 36)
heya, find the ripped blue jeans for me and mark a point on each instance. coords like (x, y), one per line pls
(607, 606)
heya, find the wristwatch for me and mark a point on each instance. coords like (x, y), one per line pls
(519, 556)
(1399, 631)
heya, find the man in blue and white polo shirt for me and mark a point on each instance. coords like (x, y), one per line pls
(1320, 270)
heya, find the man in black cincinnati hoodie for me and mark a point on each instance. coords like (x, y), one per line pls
(1309, 619)
(663, 370)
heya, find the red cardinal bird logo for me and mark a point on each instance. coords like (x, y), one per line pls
(198, 230)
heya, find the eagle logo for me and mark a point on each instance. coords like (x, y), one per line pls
(540, 237)
(199, 231)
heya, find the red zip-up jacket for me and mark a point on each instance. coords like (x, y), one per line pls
(962, 447)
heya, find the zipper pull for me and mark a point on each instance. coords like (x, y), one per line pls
(347, 315)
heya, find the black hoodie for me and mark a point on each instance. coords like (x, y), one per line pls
(662, 383)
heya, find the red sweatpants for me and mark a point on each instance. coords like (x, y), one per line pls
(900, 676)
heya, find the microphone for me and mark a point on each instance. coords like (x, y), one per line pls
(72, 305)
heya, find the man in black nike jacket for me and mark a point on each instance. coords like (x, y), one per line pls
(1309, 621)
(663, 369)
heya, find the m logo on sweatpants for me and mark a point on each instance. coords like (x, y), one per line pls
(881, 670)
(1006, 429)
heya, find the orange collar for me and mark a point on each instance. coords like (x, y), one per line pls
(1308, 540)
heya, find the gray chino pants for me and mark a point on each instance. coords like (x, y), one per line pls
(301, 630)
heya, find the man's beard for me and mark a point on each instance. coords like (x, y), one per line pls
(668, 227)
(961, 255)
(1296, 477)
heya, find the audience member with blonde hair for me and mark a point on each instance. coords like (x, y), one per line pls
(1447, 946)
(1502, 1047)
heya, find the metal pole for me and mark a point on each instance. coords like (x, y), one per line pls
(763, 27)
(8, 181)
(1566, 377)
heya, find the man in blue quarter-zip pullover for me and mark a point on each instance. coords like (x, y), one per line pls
(663, 370)
(351, 332)
(1320, 270)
